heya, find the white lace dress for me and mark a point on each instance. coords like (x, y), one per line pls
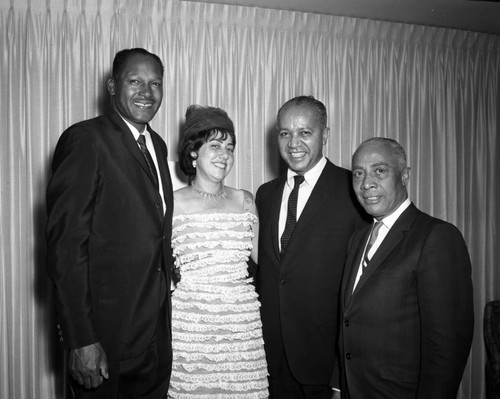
(216, 329)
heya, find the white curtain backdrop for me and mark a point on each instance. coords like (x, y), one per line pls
(435, 90)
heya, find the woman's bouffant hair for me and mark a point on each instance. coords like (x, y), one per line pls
(202, 124)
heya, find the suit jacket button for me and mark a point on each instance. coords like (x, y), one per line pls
(348, 356)
(282, 282)
(158, 269)
(157, 205)
(347, 323)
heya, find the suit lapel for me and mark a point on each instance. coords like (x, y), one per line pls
(319, 195)
(394, 237)
(352, 263)
(128, 141)
(164, 172)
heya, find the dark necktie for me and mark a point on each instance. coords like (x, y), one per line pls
(373, 238)
(291, 216)
(149, 160)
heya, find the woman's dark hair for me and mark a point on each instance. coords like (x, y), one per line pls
(194, 142)
(203, 123)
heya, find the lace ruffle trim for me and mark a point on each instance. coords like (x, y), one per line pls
(214, 269)
(205, 379)
(220, 357)
(205, 217)
(219, 347)
(227, 386)
(210, 225)
(216, 307)
(218, 367)
(213, 236)
(190, 337)
(217, 289)
(261, 394)
(226, 297)
(213, 257)
(216, 279)
(206, 327)
(212, 318)
(226, 245)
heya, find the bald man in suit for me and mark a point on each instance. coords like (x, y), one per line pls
(407, 307)
(300, 269)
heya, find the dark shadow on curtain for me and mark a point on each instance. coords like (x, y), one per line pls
(275, 163)
(103, 102)
(44, 295)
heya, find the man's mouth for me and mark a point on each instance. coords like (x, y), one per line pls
(297, 154)
(143, 105)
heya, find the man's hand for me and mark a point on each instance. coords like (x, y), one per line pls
(336, 394)
(88, 365)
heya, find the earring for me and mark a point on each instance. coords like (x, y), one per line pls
(194, 163)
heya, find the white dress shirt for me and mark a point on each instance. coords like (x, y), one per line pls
(387, 224)
(310, 179)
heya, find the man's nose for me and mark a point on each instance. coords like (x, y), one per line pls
(368, 182)
(294, 141)
(145, 90)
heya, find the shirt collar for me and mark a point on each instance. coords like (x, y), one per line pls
(310, 177)
(133, 129)
(389, 221)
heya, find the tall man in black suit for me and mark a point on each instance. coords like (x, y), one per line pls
(109, 226)
(407, 311)
(300, 267)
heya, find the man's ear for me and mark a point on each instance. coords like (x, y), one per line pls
(405, 176)
(111, 86)
(326, 133)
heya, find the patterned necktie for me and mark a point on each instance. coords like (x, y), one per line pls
(373, 238)
(291, 216)
(149, 160)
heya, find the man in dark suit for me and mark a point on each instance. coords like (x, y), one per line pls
(109, 208)
(407, 317)
(300, 267)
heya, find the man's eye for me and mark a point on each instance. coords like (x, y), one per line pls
(357, 174)
(283, 134)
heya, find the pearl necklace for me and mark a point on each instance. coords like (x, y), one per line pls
(219, 194)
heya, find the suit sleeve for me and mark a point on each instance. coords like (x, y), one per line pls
(71, 196)
(446, 311)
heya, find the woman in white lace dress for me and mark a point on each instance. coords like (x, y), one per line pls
(216, 329)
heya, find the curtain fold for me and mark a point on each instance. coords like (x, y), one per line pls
(435, 90)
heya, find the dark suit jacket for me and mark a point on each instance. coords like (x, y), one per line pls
(109, 253)
(300, 294)
(407, 328)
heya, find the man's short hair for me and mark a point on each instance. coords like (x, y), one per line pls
(307, 101)
(122, 57)
(397, 149)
